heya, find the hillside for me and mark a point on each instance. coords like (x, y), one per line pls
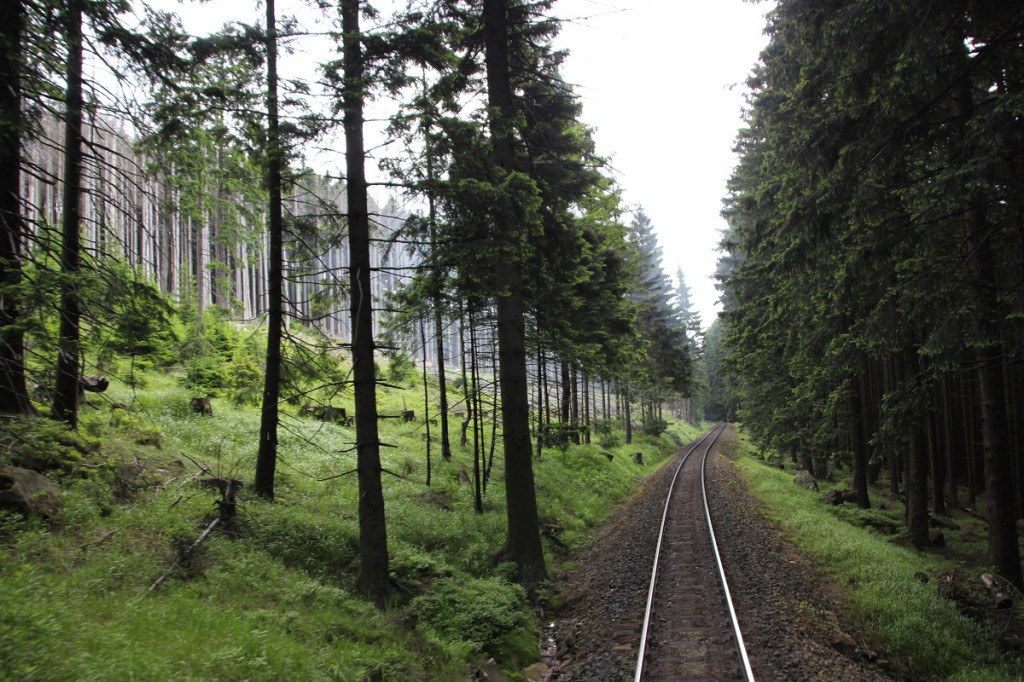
(269, 593)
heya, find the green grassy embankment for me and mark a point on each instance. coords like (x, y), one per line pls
(273, 599)
(921, 633)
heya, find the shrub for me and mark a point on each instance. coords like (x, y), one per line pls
(479, 611)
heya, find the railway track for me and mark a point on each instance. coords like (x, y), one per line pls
(690, 629)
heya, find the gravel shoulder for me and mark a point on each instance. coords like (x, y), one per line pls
(792, 615)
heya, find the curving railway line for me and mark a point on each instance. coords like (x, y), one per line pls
(690, 630)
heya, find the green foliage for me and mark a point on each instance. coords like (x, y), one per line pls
(922, 634)
(401, 368)
(44, 445)
(274, 598)
(478, 611)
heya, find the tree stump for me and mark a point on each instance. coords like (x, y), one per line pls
(93, 384)
(201, 406)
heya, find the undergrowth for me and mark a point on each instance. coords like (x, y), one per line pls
(922, 634)
(272, 598)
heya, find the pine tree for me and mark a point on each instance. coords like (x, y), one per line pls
(13, 390)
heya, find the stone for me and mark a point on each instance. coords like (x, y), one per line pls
(492, 672)
(939, 521)
(29, 493)
(834, 497)
(436, 498)
(805, 479)
(538, 672)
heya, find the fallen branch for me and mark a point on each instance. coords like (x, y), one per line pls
(187, 554)
(226, 513)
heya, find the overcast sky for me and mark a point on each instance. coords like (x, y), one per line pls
(662, 84)
(662, 81)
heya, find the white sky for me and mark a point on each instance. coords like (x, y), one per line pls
(662, 83)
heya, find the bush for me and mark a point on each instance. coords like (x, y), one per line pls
(479, 611)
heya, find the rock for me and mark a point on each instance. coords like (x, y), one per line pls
(436, 498)
(843, 643)
(850, 496)
(805, 479)
(938, 521)
(29, 492)
(492, 672)
(833, 497)
(538, 672)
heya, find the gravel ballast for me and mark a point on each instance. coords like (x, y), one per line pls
(791, 614)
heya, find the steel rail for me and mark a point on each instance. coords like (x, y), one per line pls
(740, 645)
(716, 432)
(657, 555)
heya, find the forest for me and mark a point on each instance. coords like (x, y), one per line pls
(873, 274)
(338, 420)
(168, 255)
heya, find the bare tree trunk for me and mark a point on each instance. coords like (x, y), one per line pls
(13, 389)
(523, 545)
(373, 580)
(426, 394)
(266, 457)
(1003, 544)
(65, 399)
(474, 399)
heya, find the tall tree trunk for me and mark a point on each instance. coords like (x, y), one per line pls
(373, 580)
(426, 394)
(473, 397)
(949, 436)
(442, 393)
(266, 456)
(442, 384)
(627, 415)
(566, 386)
(523, 546)
(1003, 545)
(65, 399)
(917, 458)
(540, 400)
(859, 441)
(13, 390)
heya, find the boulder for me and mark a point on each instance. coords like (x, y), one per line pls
(28, 492)
(805, 479)
(435, 498)
(491, 671)
(834, 497)
(538, 672)
(939, 521)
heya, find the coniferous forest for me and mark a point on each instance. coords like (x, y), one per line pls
(872, 276)
(196, 315)
(269, 416)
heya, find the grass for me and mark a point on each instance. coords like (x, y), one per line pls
(275, 599)
(922, 634)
